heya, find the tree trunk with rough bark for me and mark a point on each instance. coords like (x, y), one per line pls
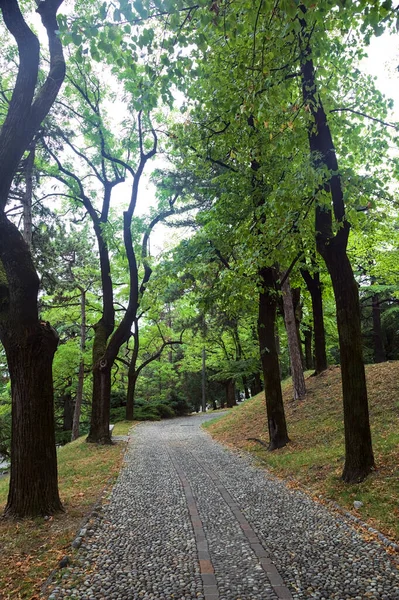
(359, 459)
(298, 380)
(296, 302)
(308, 335)
(67, 417)
(81, 374)
(268, 298)
(256, 385)
(230, 393)
(314, 288)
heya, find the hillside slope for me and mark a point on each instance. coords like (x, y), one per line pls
(314, 458)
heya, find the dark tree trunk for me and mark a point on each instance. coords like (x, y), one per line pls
(314, 288)
(378, 343)
(29, 344)
(296, 301)
(308, 335)
(359, 459)
(131, 390)
(230, 393)
(246, 388)
(256, 386)
(33, 483)
(81, 375)
(67, 420)
(278, 435)
(27, 199)
(298, 380)
(99, 423)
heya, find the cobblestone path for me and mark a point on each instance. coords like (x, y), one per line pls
(189, 520)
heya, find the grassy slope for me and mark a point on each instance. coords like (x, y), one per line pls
(314, 458)
(30, 549)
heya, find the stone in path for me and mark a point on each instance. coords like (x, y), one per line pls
(191, 520)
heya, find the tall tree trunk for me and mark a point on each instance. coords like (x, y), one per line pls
(296, 302)
(33, 483)
(67, 420)
(308, 335)
(99, 421)
(298, 380)
(256, 385)
(81, 375)
(378, 343)
(246, 388)
(230, 393)
(359, 459)
(268, 298)
(131, 392)
(314, 288)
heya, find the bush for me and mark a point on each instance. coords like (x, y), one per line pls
(164, 411)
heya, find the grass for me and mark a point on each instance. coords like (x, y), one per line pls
(30, 549)
(314, 458)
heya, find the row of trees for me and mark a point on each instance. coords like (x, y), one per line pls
(266, 169)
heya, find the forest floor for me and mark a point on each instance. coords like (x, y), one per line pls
(313, 461)
(32, 548)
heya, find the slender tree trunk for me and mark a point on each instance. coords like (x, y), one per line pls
(67, 412)
(203, 380)
(246, 388)
(33, 483)
(230, 393)
(256, 386)
(278, 435)
(298, 380)
(378, 343)
(308, 335)
(314, 288)
(296, 302)
(130, 398)
(359, 459)
(81, 375)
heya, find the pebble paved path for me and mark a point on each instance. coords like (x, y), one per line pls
(189, 520)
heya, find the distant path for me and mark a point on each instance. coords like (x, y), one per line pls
(190, 520)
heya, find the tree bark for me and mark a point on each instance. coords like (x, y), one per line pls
(247, 394)
(33, 483)
(268, 298)
(296, 302)
(81, 375)
(314, 288)
(378, 343)
(27, 199)
(359, 459)
(298, 380)
(256, 385)
(230, 393)
(67, 420)
(308, 335)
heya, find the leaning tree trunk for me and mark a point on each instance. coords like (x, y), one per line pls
(131, 391)
(298, 380)
(314, 288)
(378, 343)
(278, 435)
(359, 459)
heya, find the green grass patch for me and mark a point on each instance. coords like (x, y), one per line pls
(314, 458)
(32, 548)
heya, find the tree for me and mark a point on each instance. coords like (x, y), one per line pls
(29, 343)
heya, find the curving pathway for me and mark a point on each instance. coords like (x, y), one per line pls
(191, 520)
